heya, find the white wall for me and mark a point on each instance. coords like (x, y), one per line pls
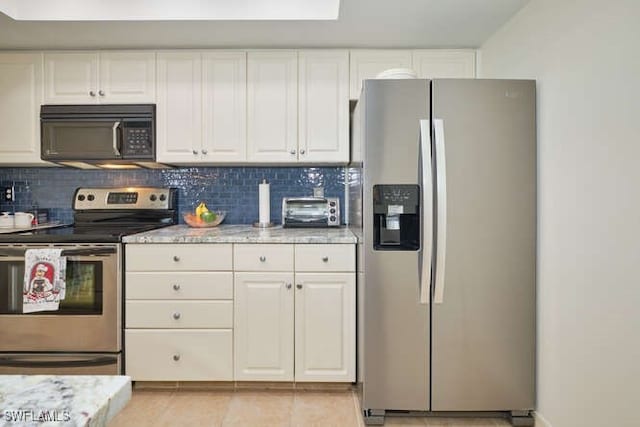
(586, 57)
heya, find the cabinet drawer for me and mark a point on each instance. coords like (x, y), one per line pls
(325, 258)
(178, 257)
(179, 314)
(261, 257)
(179, 285)
(202, 355)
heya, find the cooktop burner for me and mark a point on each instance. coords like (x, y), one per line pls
(105, 215)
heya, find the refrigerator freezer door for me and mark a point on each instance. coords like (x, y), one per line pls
(483, 318)
(395, 322)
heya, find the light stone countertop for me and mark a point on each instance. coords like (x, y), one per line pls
(243, 234)
(68, 400)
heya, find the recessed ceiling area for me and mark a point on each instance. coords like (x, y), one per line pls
(360, 24)
(169, 10)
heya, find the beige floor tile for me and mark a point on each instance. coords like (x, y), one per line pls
(319, 409)
(404, 421)
(259, 408)
(144, 409)
(196, 409)
(460, 422)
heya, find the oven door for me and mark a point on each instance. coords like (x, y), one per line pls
(88, 319)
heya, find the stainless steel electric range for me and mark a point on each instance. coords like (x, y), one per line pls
(84, 336)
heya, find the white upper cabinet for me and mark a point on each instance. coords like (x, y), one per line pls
(272, 101)
(127, 77)
(224, 106)
(179, 107)
(444, 63)
(323, 106)
(20, 99)
(105, 77)
(201, 107)
(367, 64)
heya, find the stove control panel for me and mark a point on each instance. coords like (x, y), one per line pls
(125, 198)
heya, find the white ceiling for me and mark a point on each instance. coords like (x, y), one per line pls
(362, 23)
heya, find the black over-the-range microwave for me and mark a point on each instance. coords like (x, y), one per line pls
(102, 135)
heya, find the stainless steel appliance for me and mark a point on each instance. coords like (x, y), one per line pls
(89, 136)
(310, 212)
(85, 335)
(444, 198)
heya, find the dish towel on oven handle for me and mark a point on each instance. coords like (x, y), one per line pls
(44, 280)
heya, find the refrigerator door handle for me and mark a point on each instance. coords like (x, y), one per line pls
(441, 209)
(427, 209)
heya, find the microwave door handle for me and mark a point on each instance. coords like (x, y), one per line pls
(116, 149)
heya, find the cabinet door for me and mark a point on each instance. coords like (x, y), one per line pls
(20, 99)
(179, 109)
(272, 99)
(325, 327)
(224, 91)
(323, 106)
(127, 77)
(263, 326)
(367, 64)
(445, 63)
(71, 78)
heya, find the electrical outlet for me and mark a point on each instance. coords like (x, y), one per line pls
(8, 194)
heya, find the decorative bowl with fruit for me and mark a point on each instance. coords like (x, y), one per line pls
(203, 217)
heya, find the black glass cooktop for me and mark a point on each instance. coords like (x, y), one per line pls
(77, 234)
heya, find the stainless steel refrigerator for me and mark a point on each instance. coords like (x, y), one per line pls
(443, 195)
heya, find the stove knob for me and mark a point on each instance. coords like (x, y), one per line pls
(332, 210)
(332, 218)
(332, 204)
(153, 197)
(163, 197)
(91, 197)
(81, 197)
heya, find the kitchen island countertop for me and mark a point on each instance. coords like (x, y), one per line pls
(78, 400)
(243, 234)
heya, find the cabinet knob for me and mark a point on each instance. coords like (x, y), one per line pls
(176, 357)
(325, 258)
(204, 152)
(263, 258)
(176, 287)
(92, 93)
(302, 151)
(101, 92)
(195, 152)
(176, 258)
(292, 152)
(288, 285)
(299, 286)
(176, 315)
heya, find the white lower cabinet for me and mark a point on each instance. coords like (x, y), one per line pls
(293, 325)
(179, 312)
(264, 326)
(325, 327)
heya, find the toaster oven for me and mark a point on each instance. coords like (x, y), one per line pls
(310, 212)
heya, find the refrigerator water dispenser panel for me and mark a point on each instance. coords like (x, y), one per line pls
(396, 217)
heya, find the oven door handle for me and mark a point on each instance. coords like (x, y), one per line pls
(19, 252)
(39, 362)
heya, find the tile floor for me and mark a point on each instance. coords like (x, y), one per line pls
(262, 408)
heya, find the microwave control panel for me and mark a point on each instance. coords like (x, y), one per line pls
(138, 139)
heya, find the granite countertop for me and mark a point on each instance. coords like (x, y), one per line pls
(243, 234)
(71, 400)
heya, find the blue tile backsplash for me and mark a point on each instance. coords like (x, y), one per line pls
(233, 189)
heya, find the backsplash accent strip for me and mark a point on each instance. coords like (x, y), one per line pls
(233, 189)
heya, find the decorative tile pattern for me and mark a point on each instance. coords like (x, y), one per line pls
(233, 189)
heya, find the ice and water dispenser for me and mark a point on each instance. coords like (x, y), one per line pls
(396, 217)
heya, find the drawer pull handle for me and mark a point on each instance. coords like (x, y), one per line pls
(176, 315)
(176, 357)
(195, 152)
(176, 258)
(325, 258)
(176, 287)
(288, 285)
(299, 286)
(263, 258)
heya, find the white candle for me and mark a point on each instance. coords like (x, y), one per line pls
(263, 201)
